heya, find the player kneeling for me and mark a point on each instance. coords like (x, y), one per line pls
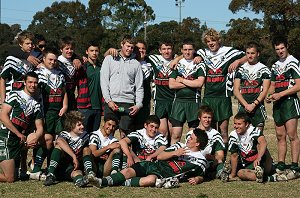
(71, 153)
(250, 159)
(179, 160)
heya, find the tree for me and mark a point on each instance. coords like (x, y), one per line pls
(6, 38)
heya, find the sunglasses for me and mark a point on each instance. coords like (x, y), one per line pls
(41, 46)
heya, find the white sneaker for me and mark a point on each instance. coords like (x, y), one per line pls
(280, 177)
(224, 176)
(97, 182)
(35, 176)
(291, 174)
(259, 173)
(170, 182)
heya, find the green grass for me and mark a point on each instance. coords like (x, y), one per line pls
(208, 189)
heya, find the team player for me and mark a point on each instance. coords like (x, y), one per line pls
(18, 112)
(145, 144)
(14, 70)
(184, 159)
(54, 102)
(214, 151)
(89, 91)
(163, 96)
(250, 158)
(187, 81)
(71, 155)
(102, 144)
(251, 84)
(285, 83)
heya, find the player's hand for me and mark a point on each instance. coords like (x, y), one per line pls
(256, 162)
(112, 105)
(182, 151)
(130, 161)
(32, 142)
(62, 111)
(76, 163)
(276, 96)
(85, 59)
(22, 137)
(33, 60)
(114, 145)
(173, 64)
(250, 107)
(197, 59)
(233, 66)
(195, 180)
(133, 110)
(77, 63)
(149, 158)
(113, 52)
(269, 98)
(179, 79)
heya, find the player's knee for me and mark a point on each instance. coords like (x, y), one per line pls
(294, 138)
(10, 179)
(87, 151)
(240, 174)
(148, 181)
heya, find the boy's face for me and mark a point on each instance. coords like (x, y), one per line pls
(127, 49)
(67, 51)
(109, 127)
(151, 129)
(166, 51)
(50, 61)
(252, 55)
(205, 120)
(240, 126)
(78, 130)
(188, 52)
(281, 51)
(31, 84)
(27, 45)
(92, 52)
(212, 44)
(192, 141)
(41, 45)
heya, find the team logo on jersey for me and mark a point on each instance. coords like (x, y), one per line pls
(54, 81)
(277, 69)
(26, 106)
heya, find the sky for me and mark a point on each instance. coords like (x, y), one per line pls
(214, 13)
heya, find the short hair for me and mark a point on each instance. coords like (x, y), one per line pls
(166, 43)
(38, 38)
(212, 34)
(112, 117)
(92, 43)
(142, 41)
(253, 44)
(31, 74)
(205, 109)
(52, 50)
(129, 39)
(188, 42)
(67, 40)
(21, 37)
(280, 40)
(202, 137)
(71, 119)
(243, 116)
(152, 119)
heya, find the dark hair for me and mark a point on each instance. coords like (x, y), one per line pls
(31, 74)
(280, 40)
(202, 137)
(112, 117)
(205, 109)
(166, 43)
(67, 40)
(92, 43)
(52, 50)
(188, 42)
(153, 119)
(243, 116)
(253, 44)
(142, 41)
(38, 38)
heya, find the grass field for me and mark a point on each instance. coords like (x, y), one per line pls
(208, 189)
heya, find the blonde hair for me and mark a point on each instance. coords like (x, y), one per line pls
(212, 34)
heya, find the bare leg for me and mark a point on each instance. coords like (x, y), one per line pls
(281, 142)
(176, 134)
(8, 171)
(291, 130)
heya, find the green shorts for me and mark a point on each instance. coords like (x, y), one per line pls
(162, 109)
(10, 148)
(258, 117)
(53, 123)
(184, 111)
(145, 168)
(222, 107)
(286, 109)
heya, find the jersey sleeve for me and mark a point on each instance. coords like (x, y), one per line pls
(95, 140)
(11, 99)
(133, 137)
(161, 140)
(232, 144)
(174, 74)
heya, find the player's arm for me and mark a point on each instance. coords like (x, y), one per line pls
(262, 148)
(233, 66)
(99, 152)
(111, 51)
(125, 148)
(271, 91)
(165, 155)
(156, 153)
(2, 90)
(234, 164)
(173, 84)
(139, 92)
(197, 83)
(294, 89)
(63, 144)
(263, 94)
(175, 61)
(64, 108)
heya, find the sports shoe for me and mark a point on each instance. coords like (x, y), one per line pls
(35, 176)
(97, 182)
(23, 176)
(170, 182)
(280, 177)
(224, 176)
(291, 174)
(50, 180)
(81, 183)
(113, 172)
(259, 173)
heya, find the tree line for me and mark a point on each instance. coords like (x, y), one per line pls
(106, 21)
